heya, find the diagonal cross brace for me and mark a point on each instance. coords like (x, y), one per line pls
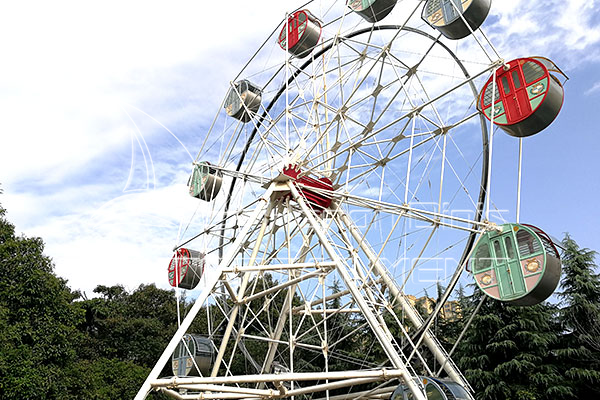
(211, 283)
(381, 332)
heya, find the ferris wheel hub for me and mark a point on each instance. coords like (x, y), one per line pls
(316, 191)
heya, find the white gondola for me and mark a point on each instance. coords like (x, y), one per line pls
(447, 16)
(243, 100)
(193, 356)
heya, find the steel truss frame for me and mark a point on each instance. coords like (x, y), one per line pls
(365, 284)
(369, 287)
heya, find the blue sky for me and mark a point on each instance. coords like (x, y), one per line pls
(103, 105)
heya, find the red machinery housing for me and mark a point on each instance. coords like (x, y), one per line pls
(317, 192)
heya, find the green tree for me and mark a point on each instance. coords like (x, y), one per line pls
(38, 320)
(54, 346)
(507, 352)
(104, 379)
(579, 351)
(447, 326)
(132, 327)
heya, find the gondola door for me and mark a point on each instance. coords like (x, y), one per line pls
(181, 358)
(508, 267)
(514, 94)
(289, 41)
(292, 35)
(296, 27)
(450, 10)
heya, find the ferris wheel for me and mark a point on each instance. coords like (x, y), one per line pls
(346, 173)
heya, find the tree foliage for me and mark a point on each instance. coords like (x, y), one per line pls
(507, 352)
(54, 344)
(129, 327)
(579, 352)
(38, 320)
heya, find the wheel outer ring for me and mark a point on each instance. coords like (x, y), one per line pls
(484, 130)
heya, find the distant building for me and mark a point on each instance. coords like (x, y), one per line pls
(451, 310)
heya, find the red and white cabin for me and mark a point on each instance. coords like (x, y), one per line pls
(527, 96)
(186, 268)
(303, 33)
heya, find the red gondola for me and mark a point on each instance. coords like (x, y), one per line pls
(303, 30)
(527, 96)
(186, 268)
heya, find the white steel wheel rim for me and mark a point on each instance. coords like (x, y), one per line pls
(385, 208)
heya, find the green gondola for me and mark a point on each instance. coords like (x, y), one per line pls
(449, 16)
(205, 181)
(518, 264)
(372, 10)
(435, 389)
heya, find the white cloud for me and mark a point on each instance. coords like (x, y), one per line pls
(594, 89)
(75, 72)
(563, 30)
(71, 66)
(127, 240)
(577, 20)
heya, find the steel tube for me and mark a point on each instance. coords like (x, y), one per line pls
(385, 374)
(399, 297)
(211, 283)
(278, 267)
(383, 335)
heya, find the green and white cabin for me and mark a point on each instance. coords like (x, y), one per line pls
(372, 10)
(518, 264)
(205, 182)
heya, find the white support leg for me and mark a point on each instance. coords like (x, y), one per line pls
(398, 298)
(381, 332)
(242, 289)
(210, 284)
